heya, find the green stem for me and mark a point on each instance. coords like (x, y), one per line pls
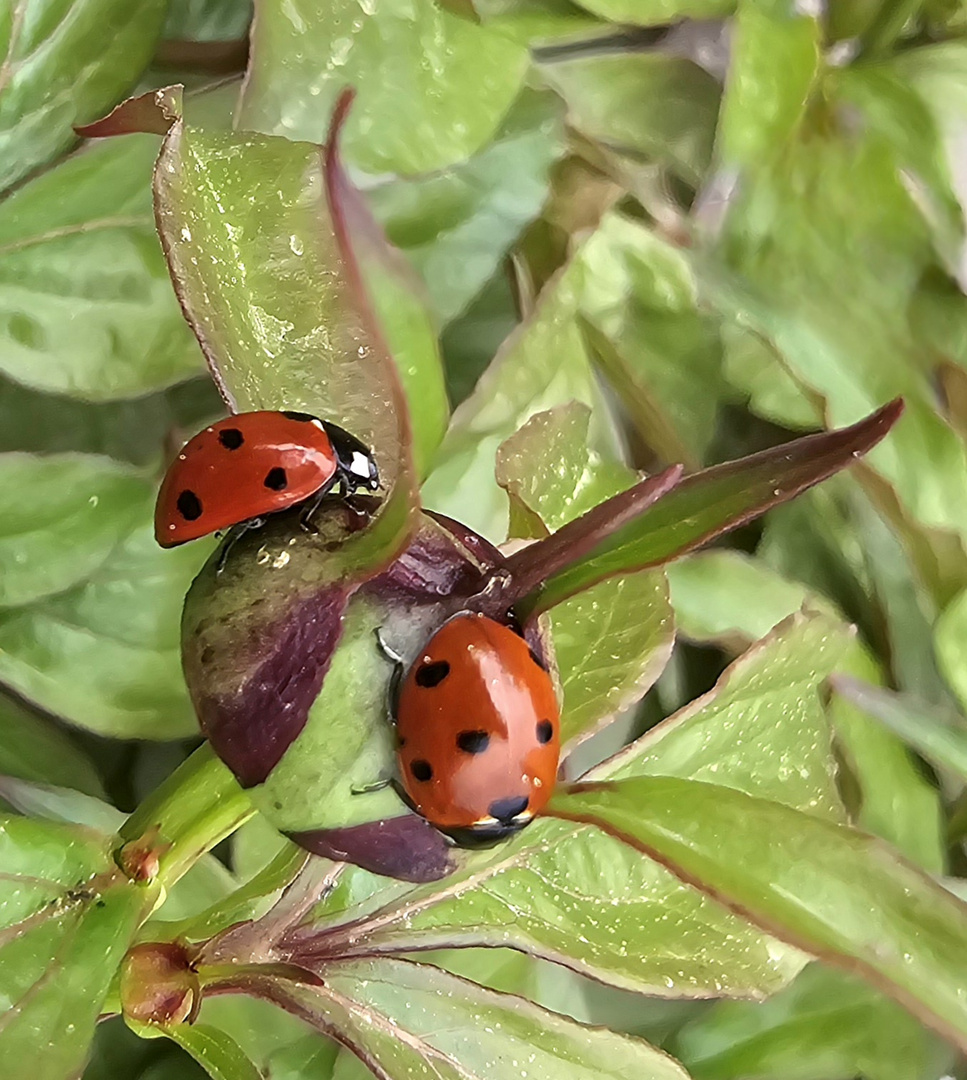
(195, 808)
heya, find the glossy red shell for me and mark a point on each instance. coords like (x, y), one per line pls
(241, 468)
(478, 726)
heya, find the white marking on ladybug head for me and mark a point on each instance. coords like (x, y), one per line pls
(319, 424)
(359, 464)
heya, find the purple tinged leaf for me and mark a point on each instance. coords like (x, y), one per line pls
(255, 234)
(701, 507)
(152, 112)
(252, 728)
(579, 539)
(404, 847)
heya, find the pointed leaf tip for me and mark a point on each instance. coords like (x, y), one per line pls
(153, 112)
(707, 504)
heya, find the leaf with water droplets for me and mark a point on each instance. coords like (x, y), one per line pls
(584, 899)
(408, 1019)
(822, 886)
(67, 915)
(433, 86)
(256, 235)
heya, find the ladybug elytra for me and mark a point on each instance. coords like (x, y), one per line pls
(246, 466)
(478, 733)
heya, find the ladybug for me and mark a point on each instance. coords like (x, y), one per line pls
(478, 731)
(252, 464)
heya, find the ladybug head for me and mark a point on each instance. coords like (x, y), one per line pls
(355, 459)
(506, 817)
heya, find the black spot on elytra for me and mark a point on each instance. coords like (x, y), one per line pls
(545, 731)
(189, 505)
(400, 741)
(473, 742)
(231, 438)
(505, 809)
(422, 770)
(537, 660)
(304, 417)
(432, 674)
(275, 479)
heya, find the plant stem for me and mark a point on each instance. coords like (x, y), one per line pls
(195, 808)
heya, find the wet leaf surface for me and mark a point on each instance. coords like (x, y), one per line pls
(432, 86)
(406, 1019)
(822, 886)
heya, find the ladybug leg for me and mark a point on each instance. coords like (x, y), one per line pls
(313, 503)
(232, 538)
(375, 785)
(385, 649)
(396, 679)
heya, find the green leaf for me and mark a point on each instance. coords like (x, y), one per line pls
(542, 364)
(538, 22)
(660, 352)
(950, 643)
(940, 737)
(612, 641)
(587, 901)
(656, 12)
(250, 235)
(775, 60)
(311, 1058)
(62, 516)
(730, 599)
(215, 1050)
(133, 431)
(34, 749)
(433, 87)
(707, 504)
(60, 804)
(413, 1019)
(68, 915)
(457, 225)
(654, 106)
(207, 20)
(824, 887)
(85, 307)
(398, 304)
(752, 365)
(824, 1025)
(98, 658)
(827, 246)
(247, 901)
(60, 71)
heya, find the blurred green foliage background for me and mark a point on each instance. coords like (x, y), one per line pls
(714, 225)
